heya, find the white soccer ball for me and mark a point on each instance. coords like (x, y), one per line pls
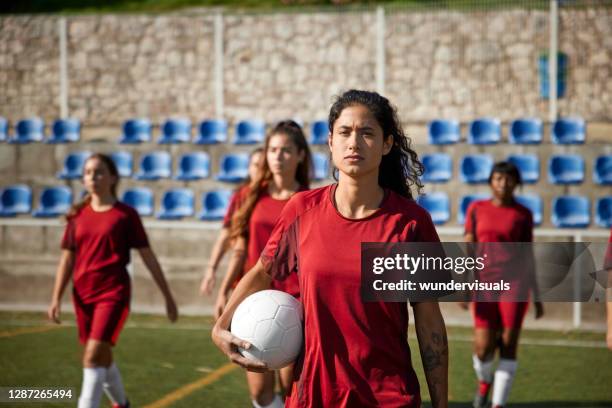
(271, 321)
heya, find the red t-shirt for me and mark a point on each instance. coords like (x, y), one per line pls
(608, 258)
(234, 204)
(101, 242)
(355, 353)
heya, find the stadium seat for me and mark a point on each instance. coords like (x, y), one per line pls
(438, 206)
(603, 212)
(568, 131)
(155, 166)
(136, 131)
(65, 131)
(534, 203)
(318, 132)
(438, 168)
(602, 170)
(566, 169)
(3, 129)
(234, 167)
(29, 130)
(211, 131)
(484, 131)
(124, 162)
(476, 168)
(528, 166)
(464, 203)
(320, 163)
(571, 211)
(193, 166)
(175, 131)
(141, 199)
(54, 201)
(214, 205)
(16, 199)
(250, 132)
(526, 131)
(73, 165)
(442, 132)
(176, 203)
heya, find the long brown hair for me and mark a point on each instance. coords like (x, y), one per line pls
(112, 169)
(293, 131)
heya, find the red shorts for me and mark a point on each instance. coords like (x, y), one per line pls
(102, 320)
(497, 315)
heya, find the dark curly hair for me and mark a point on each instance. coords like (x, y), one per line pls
(399, 169)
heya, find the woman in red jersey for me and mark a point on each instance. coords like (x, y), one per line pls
(223, 240)
(608, 267)
(500, 219)
(285, 171)
(355, 353)
(95, 252)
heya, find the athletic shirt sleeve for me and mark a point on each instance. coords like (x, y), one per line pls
(528, 232)
(137, 237)
(469, 219)
(68, 240)
(231, 209)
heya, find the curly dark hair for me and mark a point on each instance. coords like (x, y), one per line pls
(400, 169)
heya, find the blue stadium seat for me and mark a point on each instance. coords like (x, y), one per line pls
(438, 168)
(136, 131)
(526, 131)
(438, 206)
(175, 131)
(193, 166)
(54, 201)
(65, 131)
(568, 131)
(214, 205)
(602, 170)
(73, 165)
(443, 132)
(464, 203)
(528, 166)
(571, 211)
(211, 131)
(124, 162)
(141, 199)
(155, 166)
(234, 167)
(29, 130)
(603, 212)
(16, 199)
(250, 132)
(534, 203)
(176, 204)
(566, 169)
(476, 168)
(320, 163)
(3, 129)
(318, 132)
(484, 131)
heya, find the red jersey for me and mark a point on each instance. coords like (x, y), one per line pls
(355, 353)
(101, 242)
(234, 204)
(608, 258)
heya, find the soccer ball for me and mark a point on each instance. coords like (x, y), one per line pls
(271, 321)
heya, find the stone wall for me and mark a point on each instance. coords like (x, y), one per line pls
(438, 63)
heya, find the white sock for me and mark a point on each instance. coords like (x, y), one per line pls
(277, 402)
(91, 390)
(484, 369)
(113, 386)
(503, 381)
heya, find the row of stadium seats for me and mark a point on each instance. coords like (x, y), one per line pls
(562, 168)
(567, 211)
(483, 131)
(486, 131)
(191, 166)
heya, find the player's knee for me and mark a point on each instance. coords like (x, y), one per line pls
(262, 395)
(97, 355)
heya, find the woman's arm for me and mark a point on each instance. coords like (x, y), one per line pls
(62, 276)
(255, 280)
(219, 249)
(236, 265)
(433, 344)
(150, 261)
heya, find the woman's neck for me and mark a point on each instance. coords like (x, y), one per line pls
(102, 202)
(282, 188)
(358, 198)
(502, 201)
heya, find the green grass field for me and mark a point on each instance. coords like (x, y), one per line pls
(157, 359)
